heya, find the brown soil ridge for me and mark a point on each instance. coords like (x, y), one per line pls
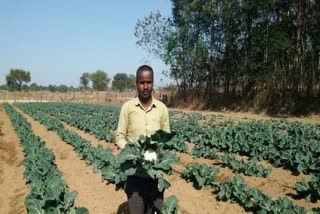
(280, 183)
(13, 186)
(93, 193)
(190, 199)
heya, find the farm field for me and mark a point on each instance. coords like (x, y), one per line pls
(271, 156)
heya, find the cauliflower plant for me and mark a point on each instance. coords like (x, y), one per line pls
(150, 155)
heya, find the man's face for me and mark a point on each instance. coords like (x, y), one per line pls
(145, 84)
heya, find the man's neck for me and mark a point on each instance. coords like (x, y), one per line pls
(145, 102)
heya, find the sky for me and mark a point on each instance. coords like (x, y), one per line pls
(58, 40)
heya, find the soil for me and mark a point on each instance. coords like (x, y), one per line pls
(100, 197)
(93, 193)
(12, 184)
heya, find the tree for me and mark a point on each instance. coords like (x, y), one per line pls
(16, 78)
(131, 82)
(25, 87)
(152, 33)
(84, 80)
(52, 88)
(4, 87)
(100, 80)
(62, 88)
(238, 45)
(120, 81)
(34, 87)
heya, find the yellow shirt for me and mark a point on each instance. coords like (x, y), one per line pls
(135, 121)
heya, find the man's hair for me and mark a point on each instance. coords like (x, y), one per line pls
(143, 68)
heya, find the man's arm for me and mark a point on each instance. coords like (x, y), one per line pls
(122, 128)
(165, 120)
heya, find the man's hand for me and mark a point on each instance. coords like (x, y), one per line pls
(121, 143)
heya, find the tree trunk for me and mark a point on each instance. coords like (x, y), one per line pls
(210, 85)
(298, 70)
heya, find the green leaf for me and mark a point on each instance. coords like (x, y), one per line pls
(154, 173)
(34, 206)
(170, 205)
(69, 198)
(166, 159)
(55, 187)
(82, 210)
(162, 184)
(162, 136)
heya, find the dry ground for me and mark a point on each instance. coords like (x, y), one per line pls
(100, 197)
(12, 184)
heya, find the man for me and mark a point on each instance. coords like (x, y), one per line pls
(143, 115)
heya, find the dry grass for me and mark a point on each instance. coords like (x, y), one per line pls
(97, 97)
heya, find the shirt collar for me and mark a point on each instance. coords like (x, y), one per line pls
(138, 103)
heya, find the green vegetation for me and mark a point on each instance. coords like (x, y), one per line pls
(170, 205)
(250, 168)
(201, 175)
(114, 169)
(133, 158)
(240, 46)
(100, 80)
(237, 191)
(122, 82)
(48, 192)
(291, 145)
(84, 80)
(16, 77)
(309, 189)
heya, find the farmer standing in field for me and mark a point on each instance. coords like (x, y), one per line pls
(143, 115)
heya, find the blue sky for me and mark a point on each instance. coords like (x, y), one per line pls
(58, 40)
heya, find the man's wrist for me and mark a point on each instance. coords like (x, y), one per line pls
(121, 144)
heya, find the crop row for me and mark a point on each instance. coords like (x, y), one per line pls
(48, 192)
(74, 117)
(102, 160)
(250, 168)
(237, 191)
(294, 146)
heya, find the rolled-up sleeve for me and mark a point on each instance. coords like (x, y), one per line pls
(165, 121)
(122, 127)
